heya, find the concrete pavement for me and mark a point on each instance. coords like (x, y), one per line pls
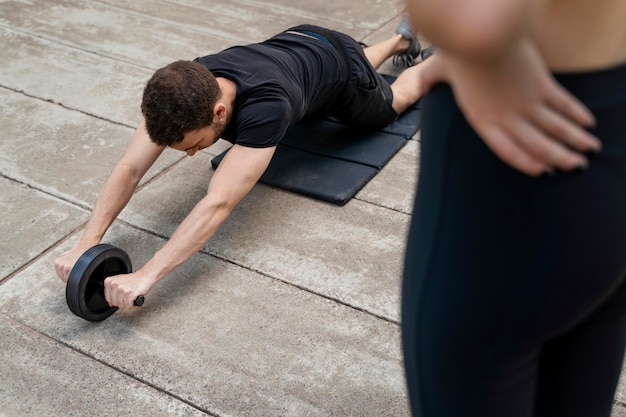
(292, 309)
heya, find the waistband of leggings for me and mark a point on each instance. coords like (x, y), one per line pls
(596, 88)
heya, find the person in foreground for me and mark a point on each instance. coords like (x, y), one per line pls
(514, 289)
(248, 95)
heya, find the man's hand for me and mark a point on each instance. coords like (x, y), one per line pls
(122, 290)
(63, 264)
(521, 112)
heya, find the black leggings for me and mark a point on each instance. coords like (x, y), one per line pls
(514, 291)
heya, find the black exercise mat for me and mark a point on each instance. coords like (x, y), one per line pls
(329, 161)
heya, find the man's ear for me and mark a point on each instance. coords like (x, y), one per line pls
(219, 111)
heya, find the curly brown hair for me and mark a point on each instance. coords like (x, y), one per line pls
(177, 99)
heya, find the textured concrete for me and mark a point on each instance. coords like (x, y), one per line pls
(291, 310)
(619, 410)
(42, 377)
(226, 339)
(280, 314)
(65, 153)
(36, 221)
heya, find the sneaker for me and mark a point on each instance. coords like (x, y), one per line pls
(428, 52)
(407, 58)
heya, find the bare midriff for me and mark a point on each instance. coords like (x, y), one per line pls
(581, 35)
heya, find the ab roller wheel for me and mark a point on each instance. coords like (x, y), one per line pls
(85, 286)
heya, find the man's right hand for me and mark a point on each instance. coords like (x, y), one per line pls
(63, 264)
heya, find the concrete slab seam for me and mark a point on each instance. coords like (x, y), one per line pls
(266, 275)
(42, 254)
(74, 47)
(63, 106)
(169, 22)
(119, 370)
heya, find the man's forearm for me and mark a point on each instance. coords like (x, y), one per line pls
(238, 172)
(138, 157)
(113, 197)
(190, 236)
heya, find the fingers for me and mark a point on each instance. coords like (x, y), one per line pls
(565, 130)
(62, 270)
(566, 118)
(543, 148)
(117, 294)
(564, 102)
(528, 148)
(544, 138)
(511, 153)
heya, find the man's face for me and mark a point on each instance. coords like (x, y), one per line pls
(198, 139)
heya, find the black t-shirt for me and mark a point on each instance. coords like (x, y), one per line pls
(279, 82)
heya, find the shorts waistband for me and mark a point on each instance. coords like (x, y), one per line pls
(325, 35)
(311, 34)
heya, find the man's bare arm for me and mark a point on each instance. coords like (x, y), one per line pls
(138, 157)
(238, 172)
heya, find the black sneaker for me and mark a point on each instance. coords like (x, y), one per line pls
(428, 52)
(407, 58)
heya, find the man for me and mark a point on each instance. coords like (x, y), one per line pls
(248, 95)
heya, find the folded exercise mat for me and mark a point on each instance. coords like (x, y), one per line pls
(329, 161)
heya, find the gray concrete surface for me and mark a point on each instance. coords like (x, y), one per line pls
(292, 309)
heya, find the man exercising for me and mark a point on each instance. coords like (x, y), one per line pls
(248, 95)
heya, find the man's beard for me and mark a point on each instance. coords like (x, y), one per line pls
(219, 127)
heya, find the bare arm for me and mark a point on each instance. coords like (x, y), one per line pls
(474, 29)
(234, 178)
(138, 157)
(502, 84)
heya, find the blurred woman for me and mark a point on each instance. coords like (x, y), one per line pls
(514, 291)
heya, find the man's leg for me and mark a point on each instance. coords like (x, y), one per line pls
(382, 51)
(371, 102)
(403, 46)
(410, 84)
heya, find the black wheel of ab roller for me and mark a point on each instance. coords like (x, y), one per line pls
(84, 292)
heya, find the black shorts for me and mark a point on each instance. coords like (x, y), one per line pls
(367, 99)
